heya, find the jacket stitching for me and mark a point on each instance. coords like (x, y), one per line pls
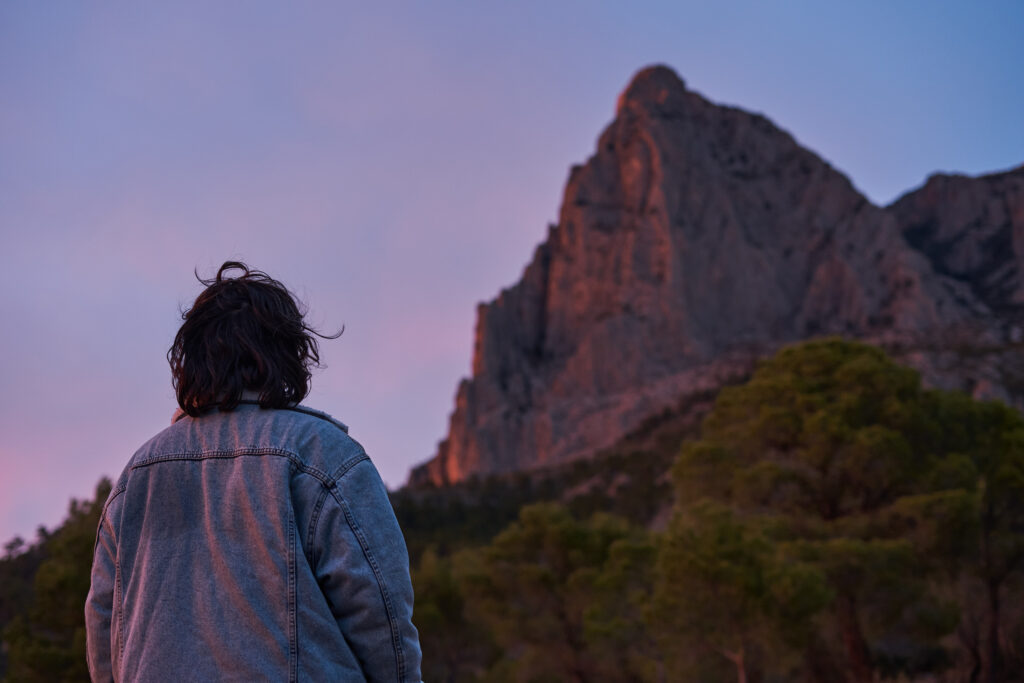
(116, 609)
(113, 494)
(301, 466)
(293, 628)
(118, 597)
(347, 466)
(385, 594)
(312, 556)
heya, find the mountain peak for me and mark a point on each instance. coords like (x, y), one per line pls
(696, 238)
(656, 88)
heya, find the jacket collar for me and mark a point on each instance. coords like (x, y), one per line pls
(252, 398)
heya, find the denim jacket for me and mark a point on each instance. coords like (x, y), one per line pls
(251, 545)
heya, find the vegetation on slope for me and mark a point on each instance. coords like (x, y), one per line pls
(831, 520)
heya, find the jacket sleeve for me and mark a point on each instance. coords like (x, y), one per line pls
(363, 569)
(99, 604)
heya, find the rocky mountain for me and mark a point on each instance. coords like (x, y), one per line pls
(700, 237)
(971, 230)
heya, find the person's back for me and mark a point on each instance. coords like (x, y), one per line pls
(250, 543)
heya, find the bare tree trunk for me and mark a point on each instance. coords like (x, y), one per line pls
(995, 663)
(853, 641)
(820, 664)
(992, 588)
(974, 650)
(737, 659)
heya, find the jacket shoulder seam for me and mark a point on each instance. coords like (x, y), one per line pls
(396, 640)
(312, 554)
(347, 467)
(104, 519)
(319, 414)
(110, 500)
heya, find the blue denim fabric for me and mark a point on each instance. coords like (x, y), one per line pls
(251, 545)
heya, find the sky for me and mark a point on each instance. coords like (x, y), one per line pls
(394, 164)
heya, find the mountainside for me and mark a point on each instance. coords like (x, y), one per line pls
(972, 230)
(701, 237)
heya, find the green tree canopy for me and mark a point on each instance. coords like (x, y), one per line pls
(46, 642)
(838, 453)
(533, 587)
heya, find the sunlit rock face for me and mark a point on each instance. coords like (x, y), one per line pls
(697, 238)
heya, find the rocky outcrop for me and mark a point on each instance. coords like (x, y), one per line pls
(972, 230)
(697, 238)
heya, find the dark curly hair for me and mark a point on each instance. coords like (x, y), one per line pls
(244, 332)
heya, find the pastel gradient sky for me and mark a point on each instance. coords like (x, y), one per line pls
(394, 163)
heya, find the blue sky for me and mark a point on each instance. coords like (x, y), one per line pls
(395, 164)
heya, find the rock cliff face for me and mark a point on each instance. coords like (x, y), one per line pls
(972, 230)
(697, 238)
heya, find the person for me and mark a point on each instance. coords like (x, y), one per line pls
(253, 539)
